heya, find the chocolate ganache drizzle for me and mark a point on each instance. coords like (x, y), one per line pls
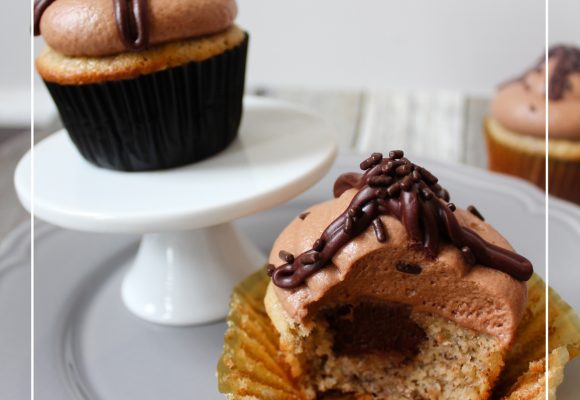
(130, 15)
(395, 186)
(567, 62)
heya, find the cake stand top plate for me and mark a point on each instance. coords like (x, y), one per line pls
(281, 150)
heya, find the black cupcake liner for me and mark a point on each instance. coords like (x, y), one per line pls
(160, 120)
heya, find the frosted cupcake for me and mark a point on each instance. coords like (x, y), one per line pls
(515, 130)
(390, 291)
(403, 308)
(144, 84)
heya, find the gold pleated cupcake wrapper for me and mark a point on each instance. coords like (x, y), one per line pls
(509, 158)
(564, 179)
(251, 367)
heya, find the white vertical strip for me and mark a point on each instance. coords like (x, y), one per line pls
(31, 24)
(547, 235)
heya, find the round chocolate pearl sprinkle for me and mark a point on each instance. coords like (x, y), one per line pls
(451, 206)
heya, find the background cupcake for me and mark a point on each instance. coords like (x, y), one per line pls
(564, 123)
(515, 131)
(150, 85)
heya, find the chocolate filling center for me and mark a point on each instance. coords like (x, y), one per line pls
(374, 327)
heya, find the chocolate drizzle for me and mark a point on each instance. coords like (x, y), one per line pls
(567, 62)
(394, 186)
(131, 17)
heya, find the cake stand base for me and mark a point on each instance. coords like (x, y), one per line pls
(175, 273)
(190, 256)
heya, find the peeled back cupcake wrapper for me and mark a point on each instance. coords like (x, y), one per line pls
(251, 367)
(160, 120)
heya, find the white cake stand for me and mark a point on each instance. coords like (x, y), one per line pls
(190, 255)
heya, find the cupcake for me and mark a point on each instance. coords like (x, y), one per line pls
(371, 299)
(516, 131)
(144, 84)
(392, 292)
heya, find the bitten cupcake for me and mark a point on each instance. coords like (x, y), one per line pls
(144, 84)
(392, 292)
(516, 131)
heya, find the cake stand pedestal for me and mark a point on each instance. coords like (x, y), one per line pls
(190, 255)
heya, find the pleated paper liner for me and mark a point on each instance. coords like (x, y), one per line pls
(251, 369)
(510, 160)
(564, 179)
(156, 121)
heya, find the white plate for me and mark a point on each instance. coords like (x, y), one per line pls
(90, 347)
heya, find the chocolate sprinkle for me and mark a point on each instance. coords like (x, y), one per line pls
(567, 62)
(131, 17)
(408, 268)
(475, 212)
(380, 231)
(428, 221)
(303, 215)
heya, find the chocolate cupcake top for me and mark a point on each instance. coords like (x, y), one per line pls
(390, 234)
(106, 27)
(519, 104)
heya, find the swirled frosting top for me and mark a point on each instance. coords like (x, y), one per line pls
(519, 105)
(408, 244)
(105, 27)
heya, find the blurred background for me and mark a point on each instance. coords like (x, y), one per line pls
(14, 105)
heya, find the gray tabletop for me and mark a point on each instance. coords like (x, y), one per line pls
(13, 144)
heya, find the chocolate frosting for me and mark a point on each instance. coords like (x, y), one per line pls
(131, 18)
(97, 28)
(567, 62)
(394, 186)
(520, 104)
